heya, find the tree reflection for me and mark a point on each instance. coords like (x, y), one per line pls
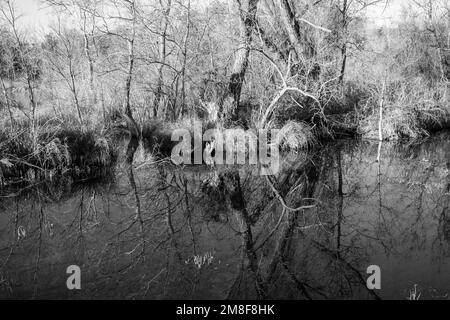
(165, 232)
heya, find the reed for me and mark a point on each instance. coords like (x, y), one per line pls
(59, 149)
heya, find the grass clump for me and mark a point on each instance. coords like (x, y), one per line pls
(411, 110)
(56, 150)
(295, 136)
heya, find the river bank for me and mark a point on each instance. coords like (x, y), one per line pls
(65, 148)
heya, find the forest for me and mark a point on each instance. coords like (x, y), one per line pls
(357, 110)
(316, 70)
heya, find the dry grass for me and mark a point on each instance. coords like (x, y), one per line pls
(412, 110)
(58, 150)
(295, 136)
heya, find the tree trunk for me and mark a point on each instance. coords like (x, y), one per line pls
(87, 51)
(343, 63)
(301, 46)
(133, 127)
(162, 57)
(73, 88)
(8, 103)
(127, 105)
(248, 18)
(380, 120)
(33, 109)
(183, 71)
(344, 41)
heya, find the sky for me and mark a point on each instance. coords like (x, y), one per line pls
(37, 17)
(385, 16)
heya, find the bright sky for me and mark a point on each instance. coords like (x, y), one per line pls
(385, 16)
(38, 17)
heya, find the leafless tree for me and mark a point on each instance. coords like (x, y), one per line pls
(9, 14)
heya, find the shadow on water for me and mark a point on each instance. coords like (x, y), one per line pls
(309, 232)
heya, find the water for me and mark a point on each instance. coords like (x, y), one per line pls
(196, 233)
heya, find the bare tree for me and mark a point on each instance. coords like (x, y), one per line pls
(9, 14)
(349, 12)
(64, 60)
(247, 11)
(7, 71)
(185, 55)
(435, 14)
(165, 8)
(83, 12)
(119, 19)
(131, 58)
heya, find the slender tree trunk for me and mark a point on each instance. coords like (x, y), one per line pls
(183, 71)
(344, 41)
(75, 97)
(127, 105)
(343, 63)
(88, 54)
(8, 103)
(73, 88)
(135, 133)
(380, 120)
(131, 60)
(162, 57)
(33, 109)
(340, 205)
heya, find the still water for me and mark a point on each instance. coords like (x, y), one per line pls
(203, 233)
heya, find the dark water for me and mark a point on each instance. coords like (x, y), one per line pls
(199, 233)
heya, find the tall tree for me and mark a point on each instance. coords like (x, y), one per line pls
(247, 12)
(7, 62)
(63, 58)
(131, 58)
(84, 13)
(185, 54)
(27, 59)
(302, 47)
(162, 55)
